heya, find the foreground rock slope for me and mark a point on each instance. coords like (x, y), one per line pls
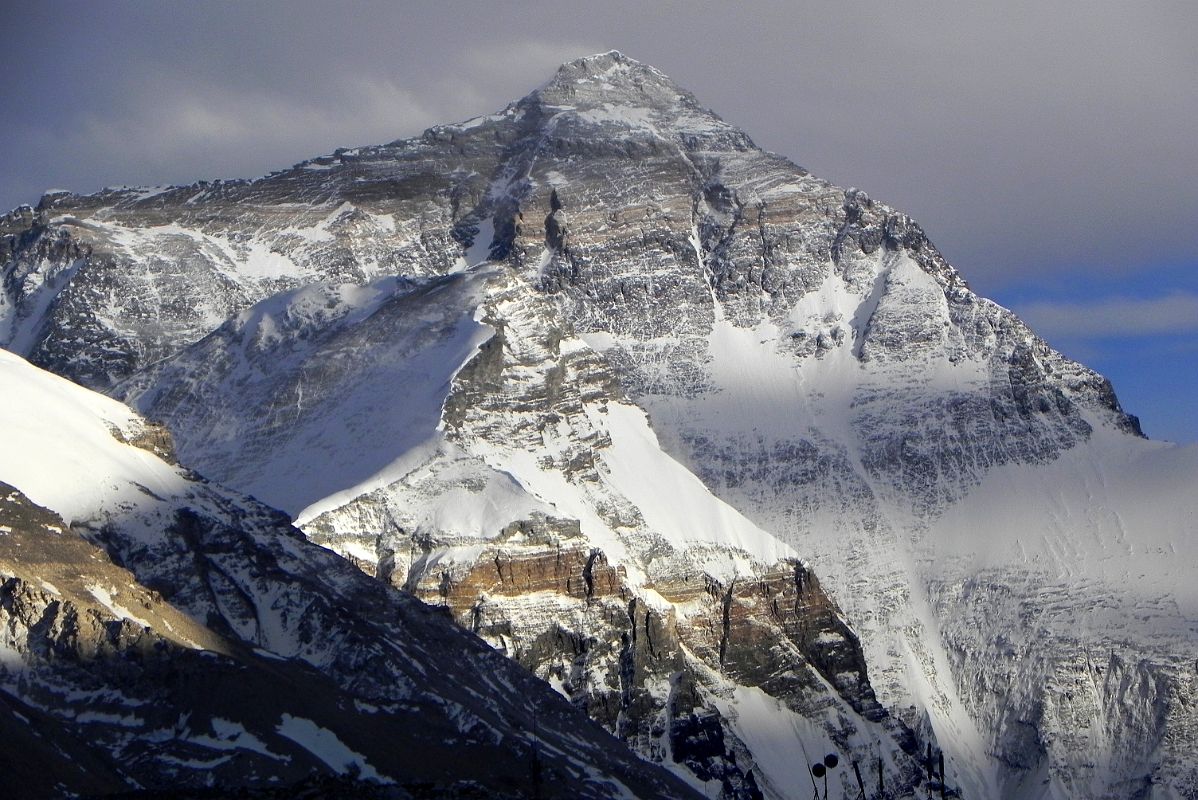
(160, 633)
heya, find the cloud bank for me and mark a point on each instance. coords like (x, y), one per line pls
(1174, 314)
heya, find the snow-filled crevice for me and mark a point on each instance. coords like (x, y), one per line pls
(865, 311)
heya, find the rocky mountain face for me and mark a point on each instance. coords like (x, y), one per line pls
(613, 385)
(518, 500)
(160, 633)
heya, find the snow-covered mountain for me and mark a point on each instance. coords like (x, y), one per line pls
(158, 632)
(518, 497)
(614, 385)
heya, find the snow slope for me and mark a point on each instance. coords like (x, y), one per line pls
(266, 356)
(1081, 572)
(59, 448)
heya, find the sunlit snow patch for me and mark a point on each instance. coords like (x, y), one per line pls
(325, 745)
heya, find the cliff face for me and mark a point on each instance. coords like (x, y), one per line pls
(621, 539)
(602, 327)
(649, 662)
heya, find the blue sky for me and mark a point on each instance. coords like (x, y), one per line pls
(1141, 332)
(1047, 149)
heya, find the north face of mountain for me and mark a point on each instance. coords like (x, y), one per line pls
(518, 500)
(594, 372)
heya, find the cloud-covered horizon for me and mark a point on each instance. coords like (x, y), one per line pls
(1113, 317)
(166, 125)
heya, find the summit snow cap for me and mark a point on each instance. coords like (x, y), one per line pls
(612, 78)
(609, 95)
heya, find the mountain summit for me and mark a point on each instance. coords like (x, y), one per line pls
(614, 84)
(610, 78)
(729, 456)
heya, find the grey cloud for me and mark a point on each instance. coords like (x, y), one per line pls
(168, 123)
(170, 131)
(1176, 313)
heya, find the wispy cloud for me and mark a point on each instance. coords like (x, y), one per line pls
(164, 124)
(171, 122)
(530, 59)
(1175, 313)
